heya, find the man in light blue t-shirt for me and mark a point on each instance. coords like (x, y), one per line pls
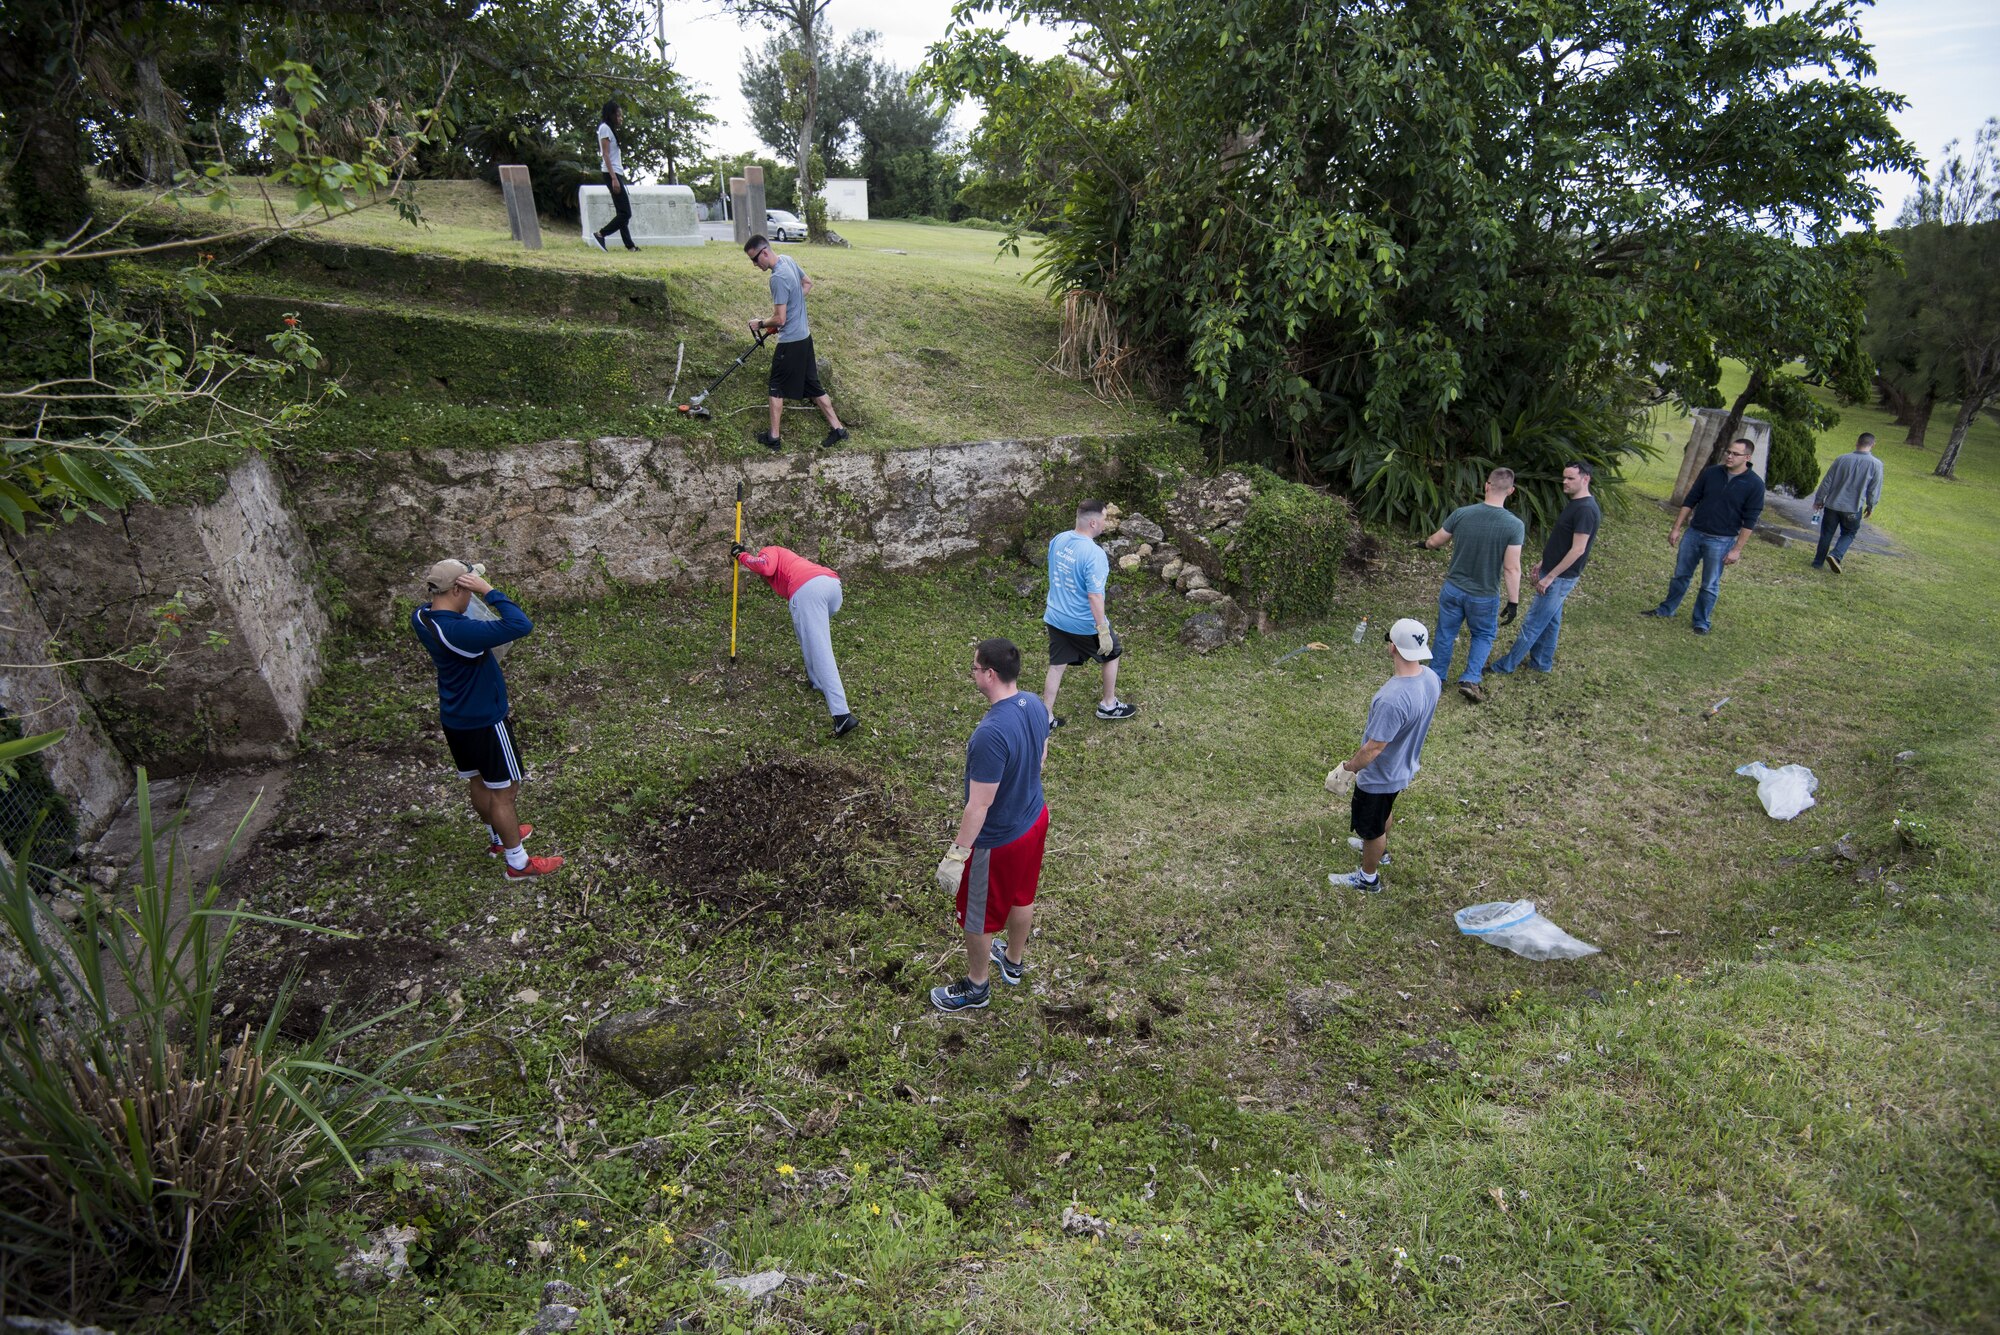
(1392, 742)
(1079, 632)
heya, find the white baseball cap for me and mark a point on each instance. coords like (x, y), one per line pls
(1412, 641)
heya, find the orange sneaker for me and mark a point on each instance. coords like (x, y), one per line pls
(535, 867)
(494, 850)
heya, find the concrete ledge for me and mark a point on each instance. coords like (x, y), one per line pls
(662, 215)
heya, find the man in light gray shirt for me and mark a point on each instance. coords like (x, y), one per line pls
(794, 367)
(1847, 494)
(1399, 718)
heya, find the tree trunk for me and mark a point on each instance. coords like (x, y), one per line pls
(1725, 437)
(156, 122)
(1920, 418)
(45, 180)
(1894, 399)
(809, 99)
(1949, 460)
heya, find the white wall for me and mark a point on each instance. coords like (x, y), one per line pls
(847, 198)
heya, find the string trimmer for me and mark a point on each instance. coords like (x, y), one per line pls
(698, 405)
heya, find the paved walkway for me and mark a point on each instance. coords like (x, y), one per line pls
(1792, 516)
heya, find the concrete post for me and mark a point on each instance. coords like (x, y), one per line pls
(739, 208)
(753, 180)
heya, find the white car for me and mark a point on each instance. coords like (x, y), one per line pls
(784, 226)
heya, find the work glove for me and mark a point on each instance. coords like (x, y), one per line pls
(1507, 617)
(951, 870)
(1422, 544)
(1340, 780)
(1104, 639)
(738, 549)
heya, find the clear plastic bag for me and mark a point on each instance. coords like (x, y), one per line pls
(477, 610)
(1784, 792)
(1519, 927)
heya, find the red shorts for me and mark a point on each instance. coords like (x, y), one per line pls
(997, 881)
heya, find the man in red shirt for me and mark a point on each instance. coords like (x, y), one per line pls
(813, 593)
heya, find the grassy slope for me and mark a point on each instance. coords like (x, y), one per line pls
(1765, 1106)
(930, 334)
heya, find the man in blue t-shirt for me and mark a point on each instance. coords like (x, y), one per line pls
(1079, 631)
(472, 701)
(1723, 507)
(794, 366)
(994, 864)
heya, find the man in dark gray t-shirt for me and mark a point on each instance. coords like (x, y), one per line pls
(1399, 718)
(1563, 559)
(1485, 558)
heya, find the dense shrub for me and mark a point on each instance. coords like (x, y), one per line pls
(1289, 550)
(1794, 460)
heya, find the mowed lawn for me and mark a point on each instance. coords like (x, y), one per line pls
(930, 334)
(1767, 1105)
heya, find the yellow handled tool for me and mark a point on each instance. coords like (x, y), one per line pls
(735, 573)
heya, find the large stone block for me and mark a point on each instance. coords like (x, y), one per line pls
(218, 597)
(662, 215)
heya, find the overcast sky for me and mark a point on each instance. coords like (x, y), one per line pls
(1943, 55)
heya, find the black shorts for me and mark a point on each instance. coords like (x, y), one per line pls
(795, 372)
(488, 753)
(1368, 813)
(1067, 650)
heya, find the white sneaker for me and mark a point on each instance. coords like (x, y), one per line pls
(1356, 880)
(1354, 842)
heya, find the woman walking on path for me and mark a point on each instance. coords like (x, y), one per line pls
(614, 179)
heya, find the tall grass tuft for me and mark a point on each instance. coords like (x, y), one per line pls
(142, 1132)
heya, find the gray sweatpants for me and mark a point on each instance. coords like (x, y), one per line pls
(813, 605)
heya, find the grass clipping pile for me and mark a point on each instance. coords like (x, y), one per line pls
(790, 835)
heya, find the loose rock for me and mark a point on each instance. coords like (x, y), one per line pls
(1193, 578)
(751, 1288)
(382, 1260)
(1129, 561)
(1204, 632)
(1141, 528)
(1206, 596)
(554, 1317)
(661, 1049)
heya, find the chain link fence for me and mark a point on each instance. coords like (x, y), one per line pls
(37, 827)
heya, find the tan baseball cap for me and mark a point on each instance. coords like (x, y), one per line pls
(445, 573)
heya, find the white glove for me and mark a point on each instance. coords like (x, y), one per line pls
(951, 870)
(1340, 780)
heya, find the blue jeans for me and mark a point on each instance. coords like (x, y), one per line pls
(1849, 524)
(1536, 641)
(1456, 606)
(1707, 550)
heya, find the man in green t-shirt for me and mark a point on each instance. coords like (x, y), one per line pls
(1485, 555)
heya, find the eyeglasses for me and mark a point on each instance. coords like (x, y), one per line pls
(757, 253)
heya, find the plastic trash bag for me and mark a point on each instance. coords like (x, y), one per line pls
(1518, 927)
(477, 610)
(1784, 792)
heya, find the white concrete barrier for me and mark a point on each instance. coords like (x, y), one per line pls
(662, 215)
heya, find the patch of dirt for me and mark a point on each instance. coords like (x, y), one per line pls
(790, 834)
(347, 979)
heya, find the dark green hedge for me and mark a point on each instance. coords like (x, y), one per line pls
(1288, 552)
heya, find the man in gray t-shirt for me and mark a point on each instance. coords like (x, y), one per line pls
(1846, 495)
(1485, 544)
(794, 366)
(1399, 718)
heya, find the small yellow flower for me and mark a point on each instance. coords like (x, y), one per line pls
(874, 1209)
(672, 1189)
(786, 1170)
(582, 1223)
(861, 1170)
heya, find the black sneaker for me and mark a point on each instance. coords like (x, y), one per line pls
(845, 724)
(1833, 562)
(1010, 972)
(598, 241)
(1655, 612)
(769, 441)
(1117, 709)
(963, 995)
(837, 436)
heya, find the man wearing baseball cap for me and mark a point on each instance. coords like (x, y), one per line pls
(1399, 718)
(472, 701)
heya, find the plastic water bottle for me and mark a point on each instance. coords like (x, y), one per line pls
(1816, 515)
(1361, 630)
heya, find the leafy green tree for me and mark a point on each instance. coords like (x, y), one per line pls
(1401, 244)
(846, 78)
(1936, 324)
(804, 22)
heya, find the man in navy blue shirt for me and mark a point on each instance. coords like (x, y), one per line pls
(994, 864)
(472, 701)
(1722, 506)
